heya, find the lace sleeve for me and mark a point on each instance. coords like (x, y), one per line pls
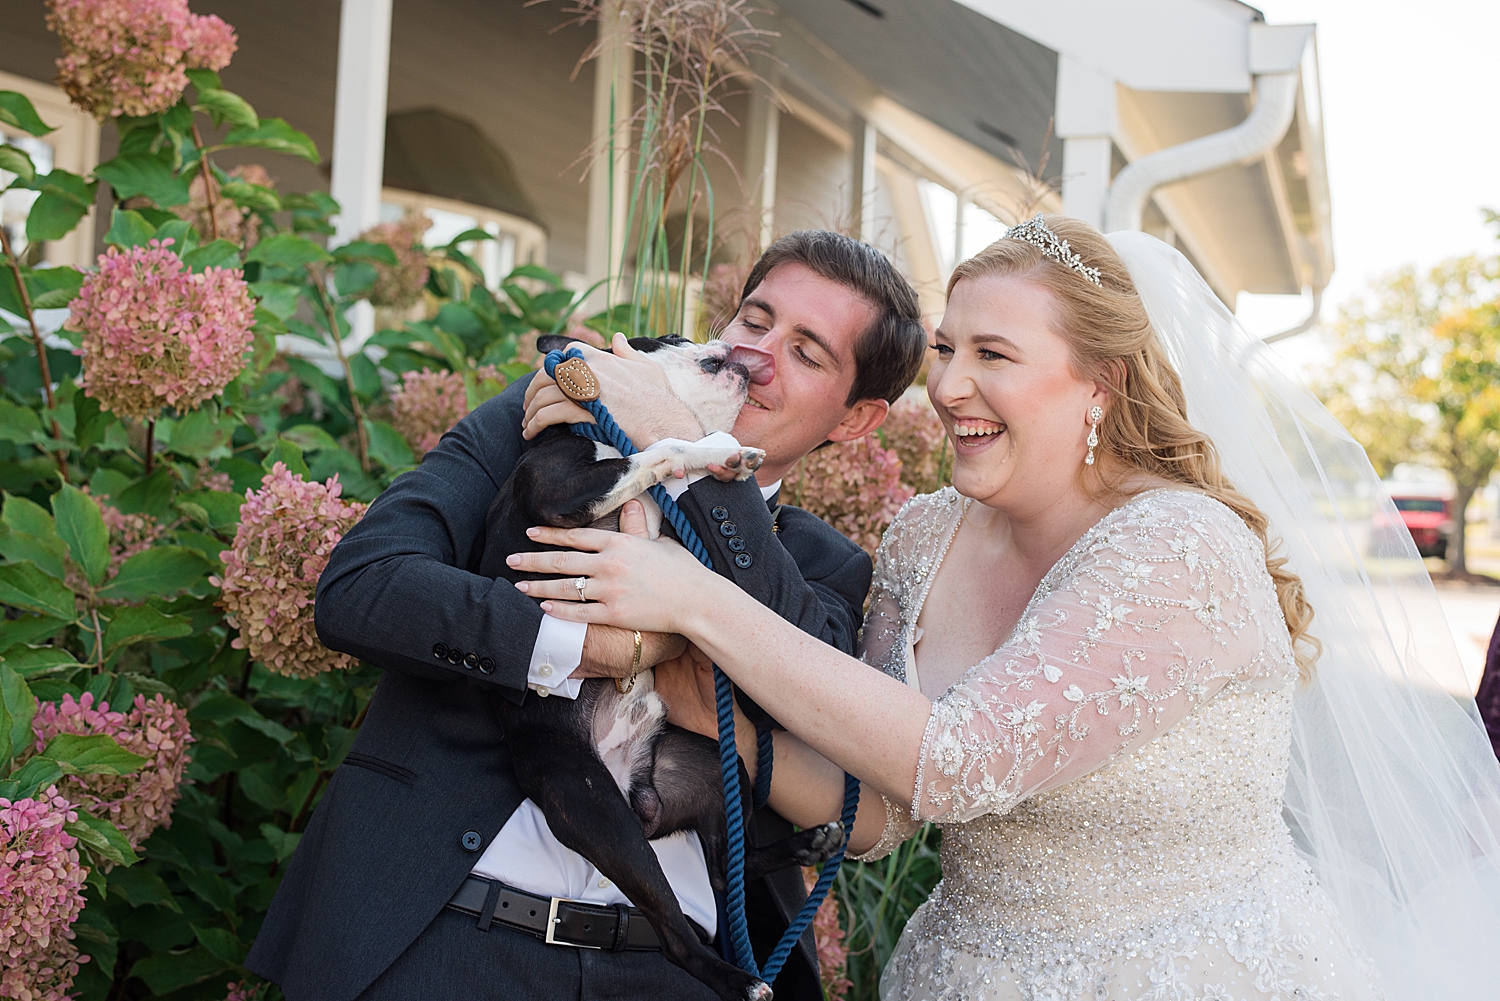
(882, 641)
(1154, 611)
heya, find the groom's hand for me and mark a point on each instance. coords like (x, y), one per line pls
(687, 685)
(609, 652)
(633, 387)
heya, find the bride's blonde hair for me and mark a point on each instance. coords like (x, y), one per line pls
(1145, 426)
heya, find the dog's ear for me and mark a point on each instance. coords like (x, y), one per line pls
(554, 342)
(648, 344)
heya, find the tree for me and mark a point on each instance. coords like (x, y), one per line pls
(1415, 371)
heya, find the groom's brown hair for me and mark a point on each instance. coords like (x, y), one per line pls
(889, 353)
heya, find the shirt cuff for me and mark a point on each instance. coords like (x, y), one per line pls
(558, 652)
(676, 486)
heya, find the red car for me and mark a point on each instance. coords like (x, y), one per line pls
(1428, 517)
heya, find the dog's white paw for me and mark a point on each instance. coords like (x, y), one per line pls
(741, 463)
(759, 992)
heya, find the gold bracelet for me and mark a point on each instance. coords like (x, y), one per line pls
(635, 667)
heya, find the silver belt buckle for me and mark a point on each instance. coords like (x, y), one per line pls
(552, 919)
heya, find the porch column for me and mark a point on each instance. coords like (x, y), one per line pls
(1086, 125)
(609, 172)
(862, 178)
(762, 146)
(359, 129)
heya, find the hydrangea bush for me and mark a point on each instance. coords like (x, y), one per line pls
(287, 531)
(173, 488)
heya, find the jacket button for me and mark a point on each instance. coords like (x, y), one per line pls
(470, 841)
(486, 665)
(719, 513)
(728, 528)
(736, 545)
(471, 661)
(440, 651)
(455, 656)
(742, 561)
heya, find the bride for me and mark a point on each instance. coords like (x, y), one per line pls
(1098, 669)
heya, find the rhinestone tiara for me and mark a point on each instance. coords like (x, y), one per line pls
(1036, 233)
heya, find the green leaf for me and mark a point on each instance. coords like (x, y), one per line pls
(221, 509)
(200, 432)
(141, 887)
(53, 217)
(277, 297)
(32, 662)
(28, 516)
(310, 438)
(354, 278)
(227, 107)
(387, 447)
(184, 238)
(288, 250)
(17, 111)
(28, 629)
(82, 528)
(458, 318)
(160, 571)
(104, 838)
(204, 80)
(366, 377)
(47, 552)
(365, 250)
(219, 254)
(166, 972)
(90, 421)
(17, 423)
(149, 495)
(210, 887)
(251, 196)
(144, 174)
(282, 842)
(537, 272)
(52, 288)
(26, 587)
(276, 135)
(139, 623)
(17, 162)
(469, 236)
(129, 229)
(91, 754)
(223, 943)
(286, 453)
(315, 378)
(36, 773)
(19, 707)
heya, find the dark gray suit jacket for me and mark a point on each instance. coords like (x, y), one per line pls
(386, 847)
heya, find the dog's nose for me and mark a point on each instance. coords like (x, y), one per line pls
(761, 364)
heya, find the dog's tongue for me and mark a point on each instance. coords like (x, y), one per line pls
(760, 364)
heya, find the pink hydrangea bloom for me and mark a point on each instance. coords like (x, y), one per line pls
(129, 57)
(41, 895)
(230, 222)
(912, 430)
(400, 286)
(245, 992)
(213, 479)
(287, 529)
(855, 486)
(828, 934)
(157, 730)
(157, 335)
(427, 404)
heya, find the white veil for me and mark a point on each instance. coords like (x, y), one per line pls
(1394, 791)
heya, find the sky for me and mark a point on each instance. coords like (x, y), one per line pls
(1412, 131)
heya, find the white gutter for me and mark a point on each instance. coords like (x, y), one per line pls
(1306, 325)
(1258, 134)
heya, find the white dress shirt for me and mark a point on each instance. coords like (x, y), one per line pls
(526, 854)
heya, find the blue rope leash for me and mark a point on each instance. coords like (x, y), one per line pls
(604, 429)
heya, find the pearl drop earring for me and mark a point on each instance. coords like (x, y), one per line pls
(1096, 414)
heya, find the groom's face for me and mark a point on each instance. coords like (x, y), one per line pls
(810, 325)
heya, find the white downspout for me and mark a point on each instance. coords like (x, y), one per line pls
(1259, 133)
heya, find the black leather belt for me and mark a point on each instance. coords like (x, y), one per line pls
(558, 920)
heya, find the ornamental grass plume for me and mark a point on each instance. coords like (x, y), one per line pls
(287, 530)
(158, 335)
(828, 934)
(41, 895)
(130, 57)
(399, 286)
(157, 730)
(855, 486)
(912, 430)
(427, 404)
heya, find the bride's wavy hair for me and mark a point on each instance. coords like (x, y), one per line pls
(1146, 426)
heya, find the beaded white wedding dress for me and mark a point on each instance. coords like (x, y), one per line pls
(1109, 782)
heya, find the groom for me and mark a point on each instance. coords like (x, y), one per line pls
(425, 807)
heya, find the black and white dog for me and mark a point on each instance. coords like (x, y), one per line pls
(607, 770)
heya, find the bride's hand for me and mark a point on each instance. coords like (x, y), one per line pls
(629, 582)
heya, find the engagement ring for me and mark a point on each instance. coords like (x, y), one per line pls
(579, 584)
